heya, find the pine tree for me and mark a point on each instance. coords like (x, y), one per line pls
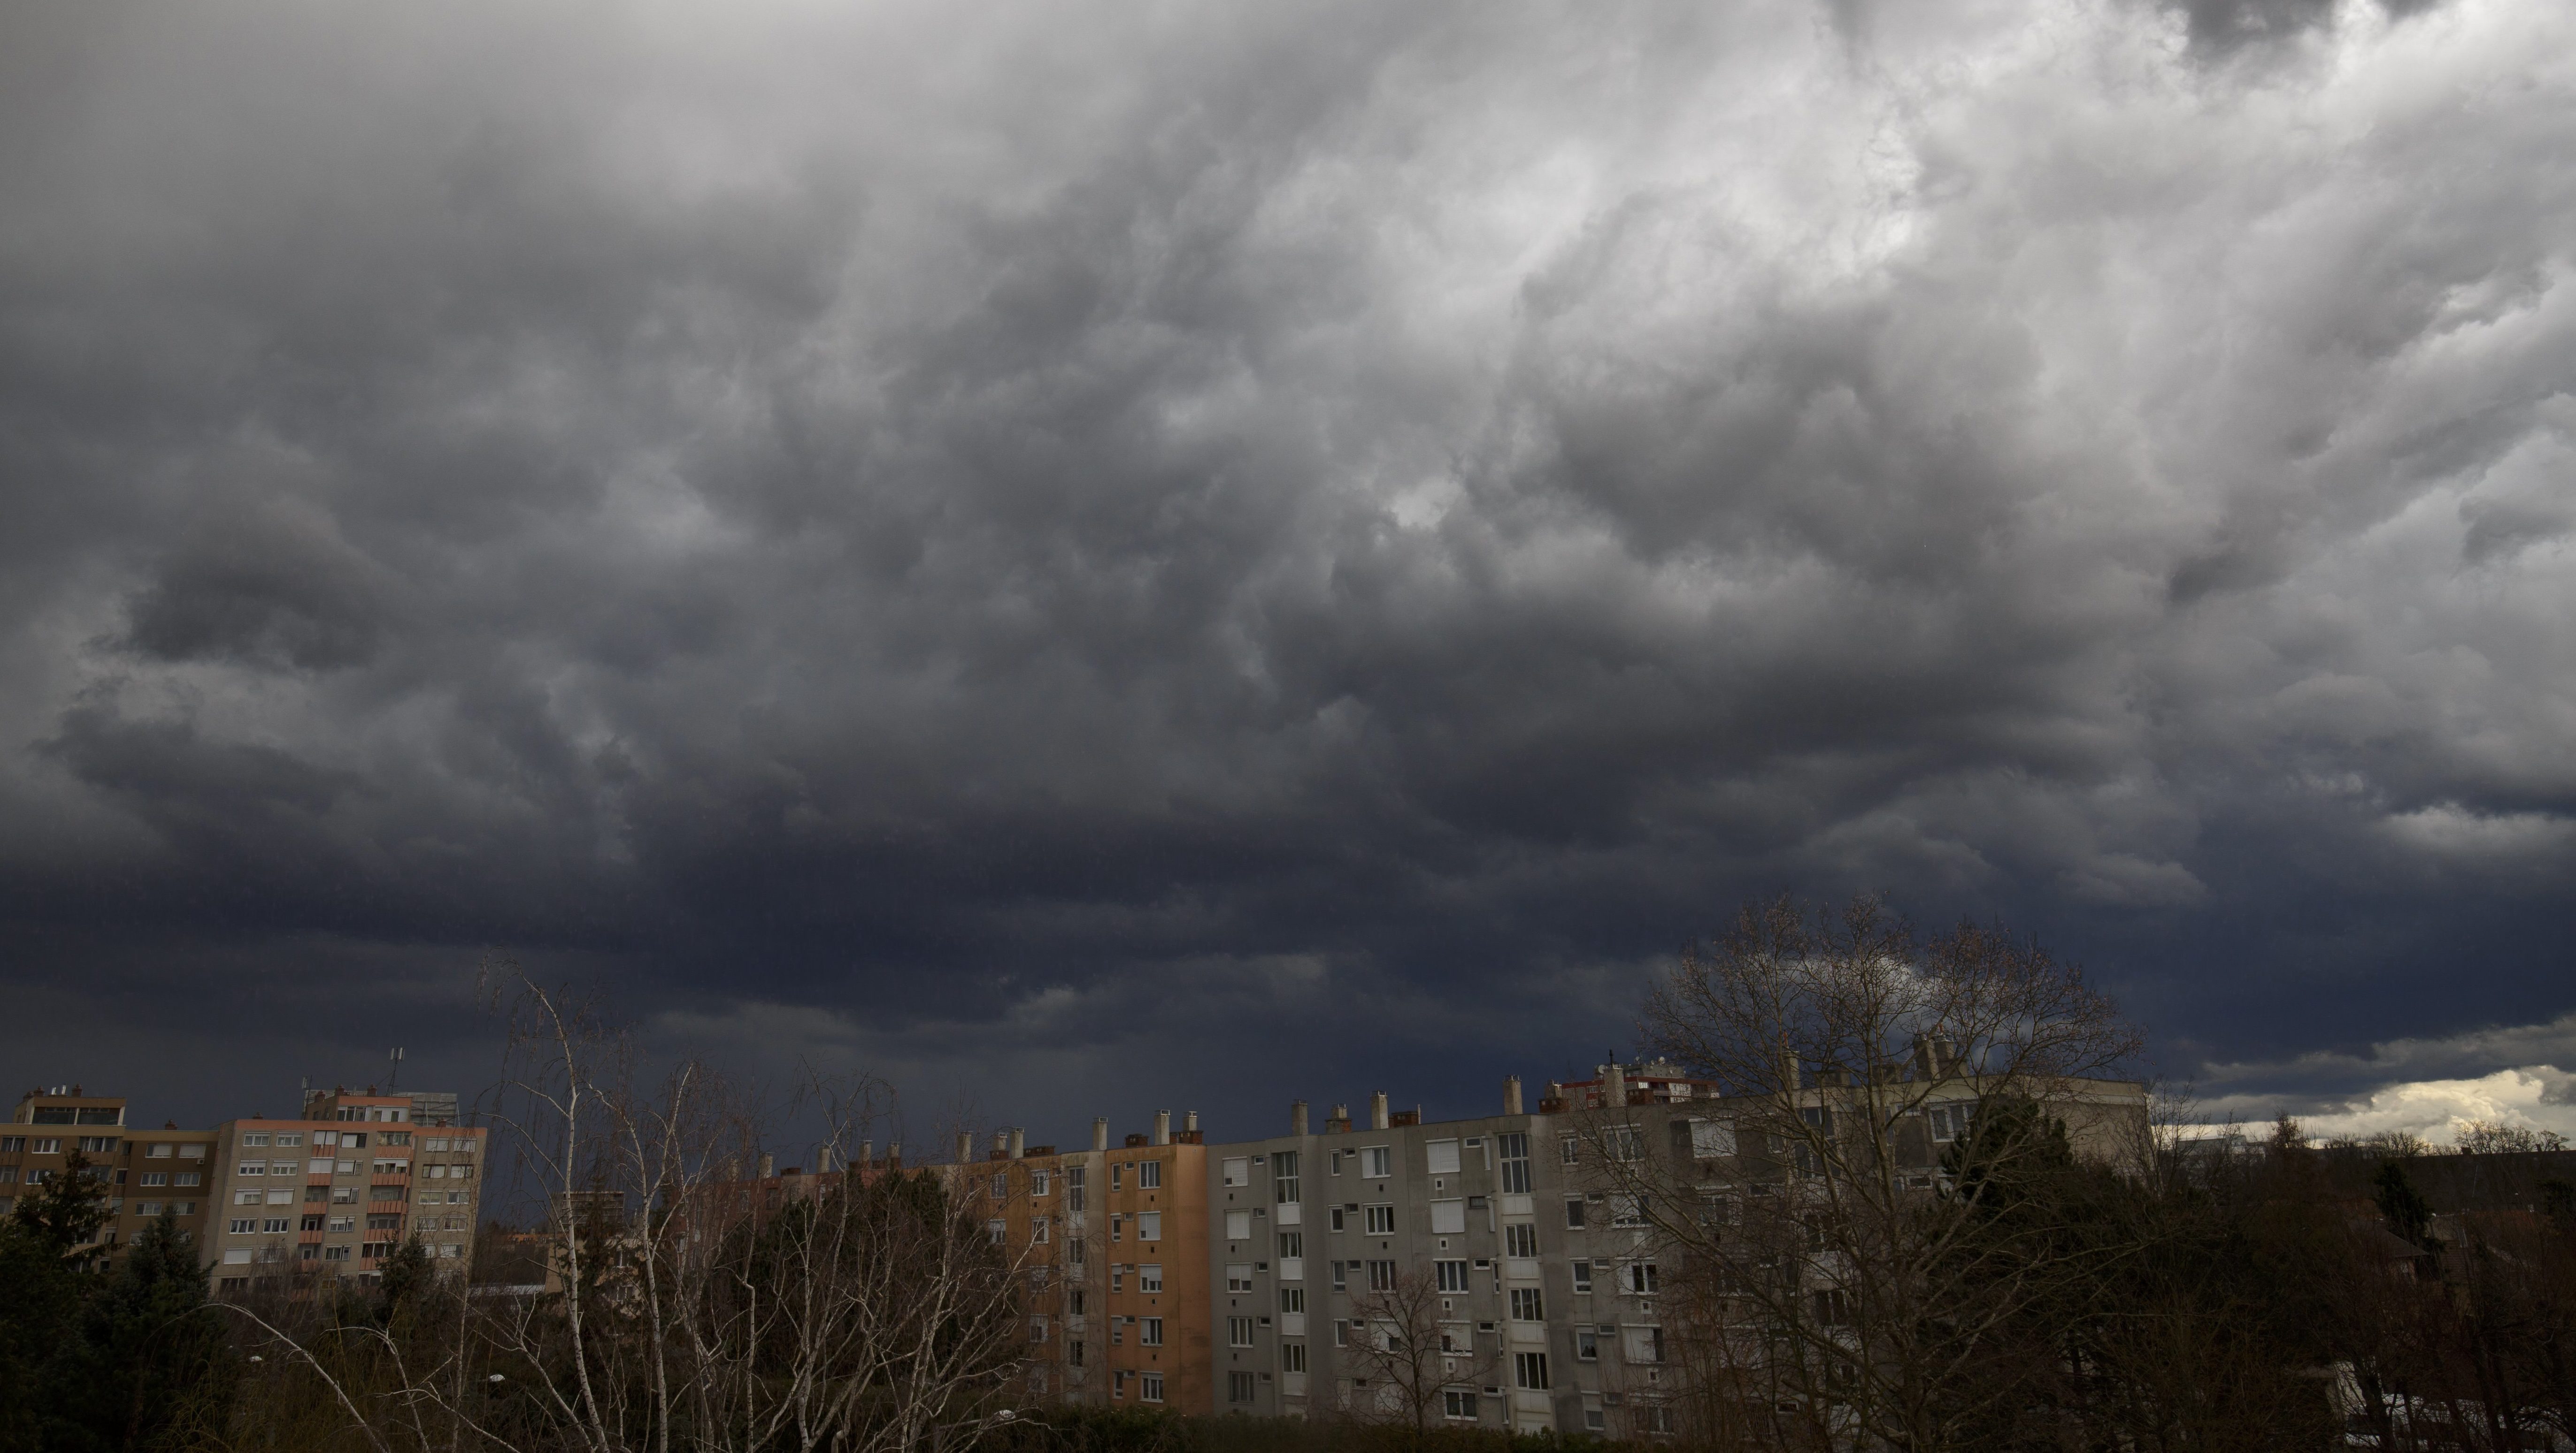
(148, 1361)
(67, 1210)
(2409, 1214)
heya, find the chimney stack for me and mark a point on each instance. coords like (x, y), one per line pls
(965, 1146)
(1100, 1132)
(1614, 1087)
(768, 1165)
(1019, 1143)
(894, 1155)
(1001, 1144)
(1511, 1094)
(1297, 1117)
(1339, 1122)
(823, 1159)
(1377, 1110)
(1791, 1078)
(867, 1153)
(1162, 1127)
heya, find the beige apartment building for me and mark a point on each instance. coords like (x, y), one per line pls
(148, 1173)
(334, 1192)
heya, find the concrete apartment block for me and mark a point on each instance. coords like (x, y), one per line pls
(149, 1172)
(333, 1192)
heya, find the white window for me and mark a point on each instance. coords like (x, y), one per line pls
(1628, 1210)
(1526, 1305)
(251, 1168)
(1238, 1331)
(1238, 1276)
(1149, 1278)
(193, 1152)
(1236, 1170)
(1448, 1218)
(1150, 1333)
(326, 1137)
(1950, 1122)
(158, 1152)
(1529, 1370)
(1380, 1220)
(256, 1137)
(1452, 1275)
(1641, 1278)
(150, 1208)
(237, 1256)
(189, 1178)
(1377, 1161)
(1149, 1175)
(1583, 1276)
(1117, 1228)
(1292, 1357)
(436, 1171)
(291, 1138)
(1520, 1239)
(1711, 1139)
(1040, 1182)
(1037, 1329)
(451, 1250)
(245, 1198)
(1038, 1230)
(1458, 1402)
(1644, 1345)
(1118, 1175)
(318, 1167)
(1440, 1157)
(1238, 1225)
(1001, 1187)
(156, 1178)
(1569, 1147)
(241, 1225)
(1513, 1151)
(995, 1230)
(1627, 1142)
(281, 1198)
(1149, 1225)
(1153, 1381)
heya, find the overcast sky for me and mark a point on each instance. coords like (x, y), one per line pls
(1086, 558)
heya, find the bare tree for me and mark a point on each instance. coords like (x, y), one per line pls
(1412, 1349)
(1841, 1231)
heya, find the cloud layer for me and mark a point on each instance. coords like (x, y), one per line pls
(1026, 547)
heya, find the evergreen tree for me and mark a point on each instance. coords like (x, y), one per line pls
(39, 1297)
(67, 1210)
(2409, 1214)
(148, 1363)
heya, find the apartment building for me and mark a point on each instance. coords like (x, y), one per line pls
(1489, 1265)
(333, 1192)
(148, 1173)
(1040, 1204)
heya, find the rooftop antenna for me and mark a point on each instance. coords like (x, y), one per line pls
(396, 1077)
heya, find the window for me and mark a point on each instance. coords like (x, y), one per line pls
(246, 1198)
(1448, 1218)
(251, 1168)
(1336, 1216)
(149, 1208)
(1641, 1278)
(192, 1152)
(1038, 1328)
(1292, 1244)
(1377, 1162)
(296, 1137)
(1514, 1152)
(356, 1139)
(1574, 1213)
(1038, 1231)
(1527, 1306)
(1118, 1176)
(1149, 1175)
(189, 1178)
(1238, 1276)
(1117, 1278)
(1153, 1387)
(1380, 1220)
(1073, 1354)
(1238, 1225)
(1627, 1142)
(256, 1137)
(336, 1253)
(1039, 1182)
(13, 1145)
(273, 1226)
(156, 1178)
(1381, 1275)
(1238, 1331)
(1587, 1345)
(237, 1256)
(1440, 1157)
(1337, 1162)
(995, 1230)
(1341, 1333)
(1238, 1386)
(1337, 1275)
(1592, 1422)
(1292, 1357)
(1583, 1276)
(1710, 1139)
(343, 1223)
(1569, 1147)
(341, 1195)
(1235, 1170)
(1149, 1225)
(1831, 1308)
(241, 1226)
(1283, 1176)
(1076, 1180)
(1152, 1333)
(1520, 1239)
(97, 1144)
(1628, 1210)
(1292, 1299)
(1000, 1187)
(1458, 1402)
(1149, 1278)
(1117, 1228)
(159, 1152)
(1074, 1252)
(1529, 1370)
(1645, 1345)
(1655, 1417)
(1452, 1275)
(376, 1223)
(1950, 1122)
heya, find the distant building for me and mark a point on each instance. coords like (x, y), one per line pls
(334, 1192)
(147, 1173)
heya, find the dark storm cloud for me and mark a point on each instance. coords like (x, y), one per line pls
(1007, 552)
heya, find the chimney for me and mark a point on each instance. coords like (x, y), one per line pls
(1019, 1143)
(1190, 1122)
(1614, 1086)
(1511, 1094)
(1296, 1118)
(1791, 1078)
(965, 1146)
(1100, 1133)
(1001, 1144)
(867, 1153)
(823, 1160)
(1339, 1122)
(894, 1155)
(1162, 1127)
(768, 1165)
(1377, 1110)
